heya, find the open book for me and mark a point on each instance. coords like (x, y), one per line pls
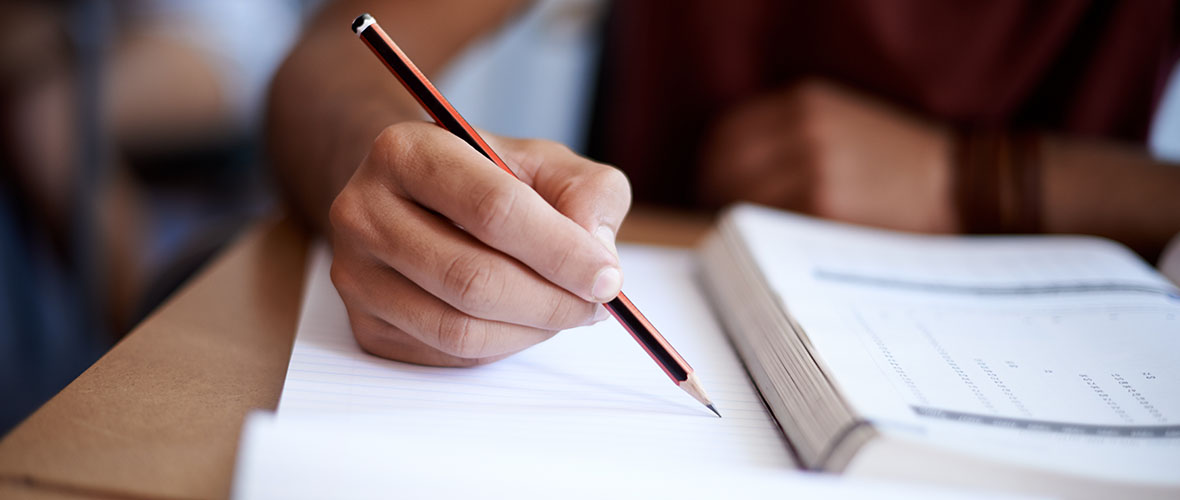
(1042, 365)
(1048, 364)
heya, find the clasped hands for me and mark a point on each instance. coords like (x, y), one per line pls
(443, 259)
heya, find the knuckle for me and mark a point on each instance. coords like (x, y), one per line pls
(340, 277)
(351, 220)
(457, 336)
(343, 213)
(394, 137)
(612, 179)
(373, 335)
(469, 281)
(564, 313)
(556, 316)
(615, 182)
(495, 207)
(349, 278)
(531, 154)
(369, 340)
(396, 144)
(561, 259)
(598, 191)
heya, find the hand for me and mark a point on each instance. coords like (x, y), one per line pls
(444, 259)
(825, 150)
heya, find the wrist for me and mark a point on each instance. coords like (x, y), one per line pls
(997, 181)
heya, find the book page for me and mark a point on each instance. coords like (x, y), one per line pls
(1056, 352)
(592, 389)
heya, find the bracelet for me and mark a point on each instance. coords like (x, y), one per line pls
(997, 182)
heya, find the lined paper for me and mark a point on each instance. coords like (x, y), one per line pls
(591, 389)
(302, 456)
(586, 414)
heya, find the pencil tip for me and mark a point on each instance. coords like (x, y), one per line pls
(693, 387)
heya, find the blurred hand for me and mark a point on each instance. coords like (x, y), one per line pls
(532, 257)
(825, 150)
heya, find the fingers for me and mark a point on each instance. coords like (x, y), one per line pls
(448, 263)
(439, 171)
(595, 196)
(391, 314)
(441, 258)
(379, 338)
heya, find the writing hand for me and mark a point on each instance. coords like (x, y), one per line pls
(444, 259)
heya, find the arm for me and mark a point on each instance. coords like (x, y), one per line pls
(826, 150)
(331, 97)
(1112, 190)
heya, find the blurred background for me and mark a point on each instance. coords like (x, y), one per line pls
(129, 154)
(131, 151)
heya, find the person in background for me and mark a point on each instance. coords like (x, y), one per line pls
(922, 115)
(125, 131)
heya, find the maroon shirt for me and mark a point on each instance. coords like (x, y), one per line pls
(672, 67)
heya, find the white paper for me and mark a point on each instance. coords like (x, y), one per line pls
(306, 456)
(586, 414)
(592, 388)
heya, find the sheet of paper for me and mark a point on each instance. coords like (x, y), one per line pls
(305, 456)
(1052, 352)
(592, 389)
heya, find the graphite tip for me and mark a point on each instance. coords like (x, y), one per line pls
(714, 410)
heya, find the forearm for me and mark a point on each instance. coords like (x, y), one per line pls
(331, 98)
(1110, 190)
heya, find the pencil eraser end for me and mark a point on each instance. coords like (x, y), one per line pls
(361, 22)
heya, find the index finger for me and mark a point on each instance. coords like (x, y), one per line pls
(443, 173)
(592, 194)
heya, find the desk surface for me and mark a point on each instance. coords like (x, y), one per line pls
(159, 415)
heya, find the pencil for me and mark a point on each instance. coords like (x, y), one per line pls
(446, 117)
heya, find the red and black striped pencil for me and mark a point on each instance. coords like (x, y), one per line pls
(446, 117)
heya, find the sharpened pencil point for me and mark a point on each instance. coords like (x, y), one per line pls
(693, 387)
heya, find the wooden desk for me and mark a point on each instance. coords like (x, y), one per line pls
(159, 415)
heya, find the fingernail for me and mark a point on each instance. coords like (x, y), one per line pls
(607, 284)
(607, 236)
